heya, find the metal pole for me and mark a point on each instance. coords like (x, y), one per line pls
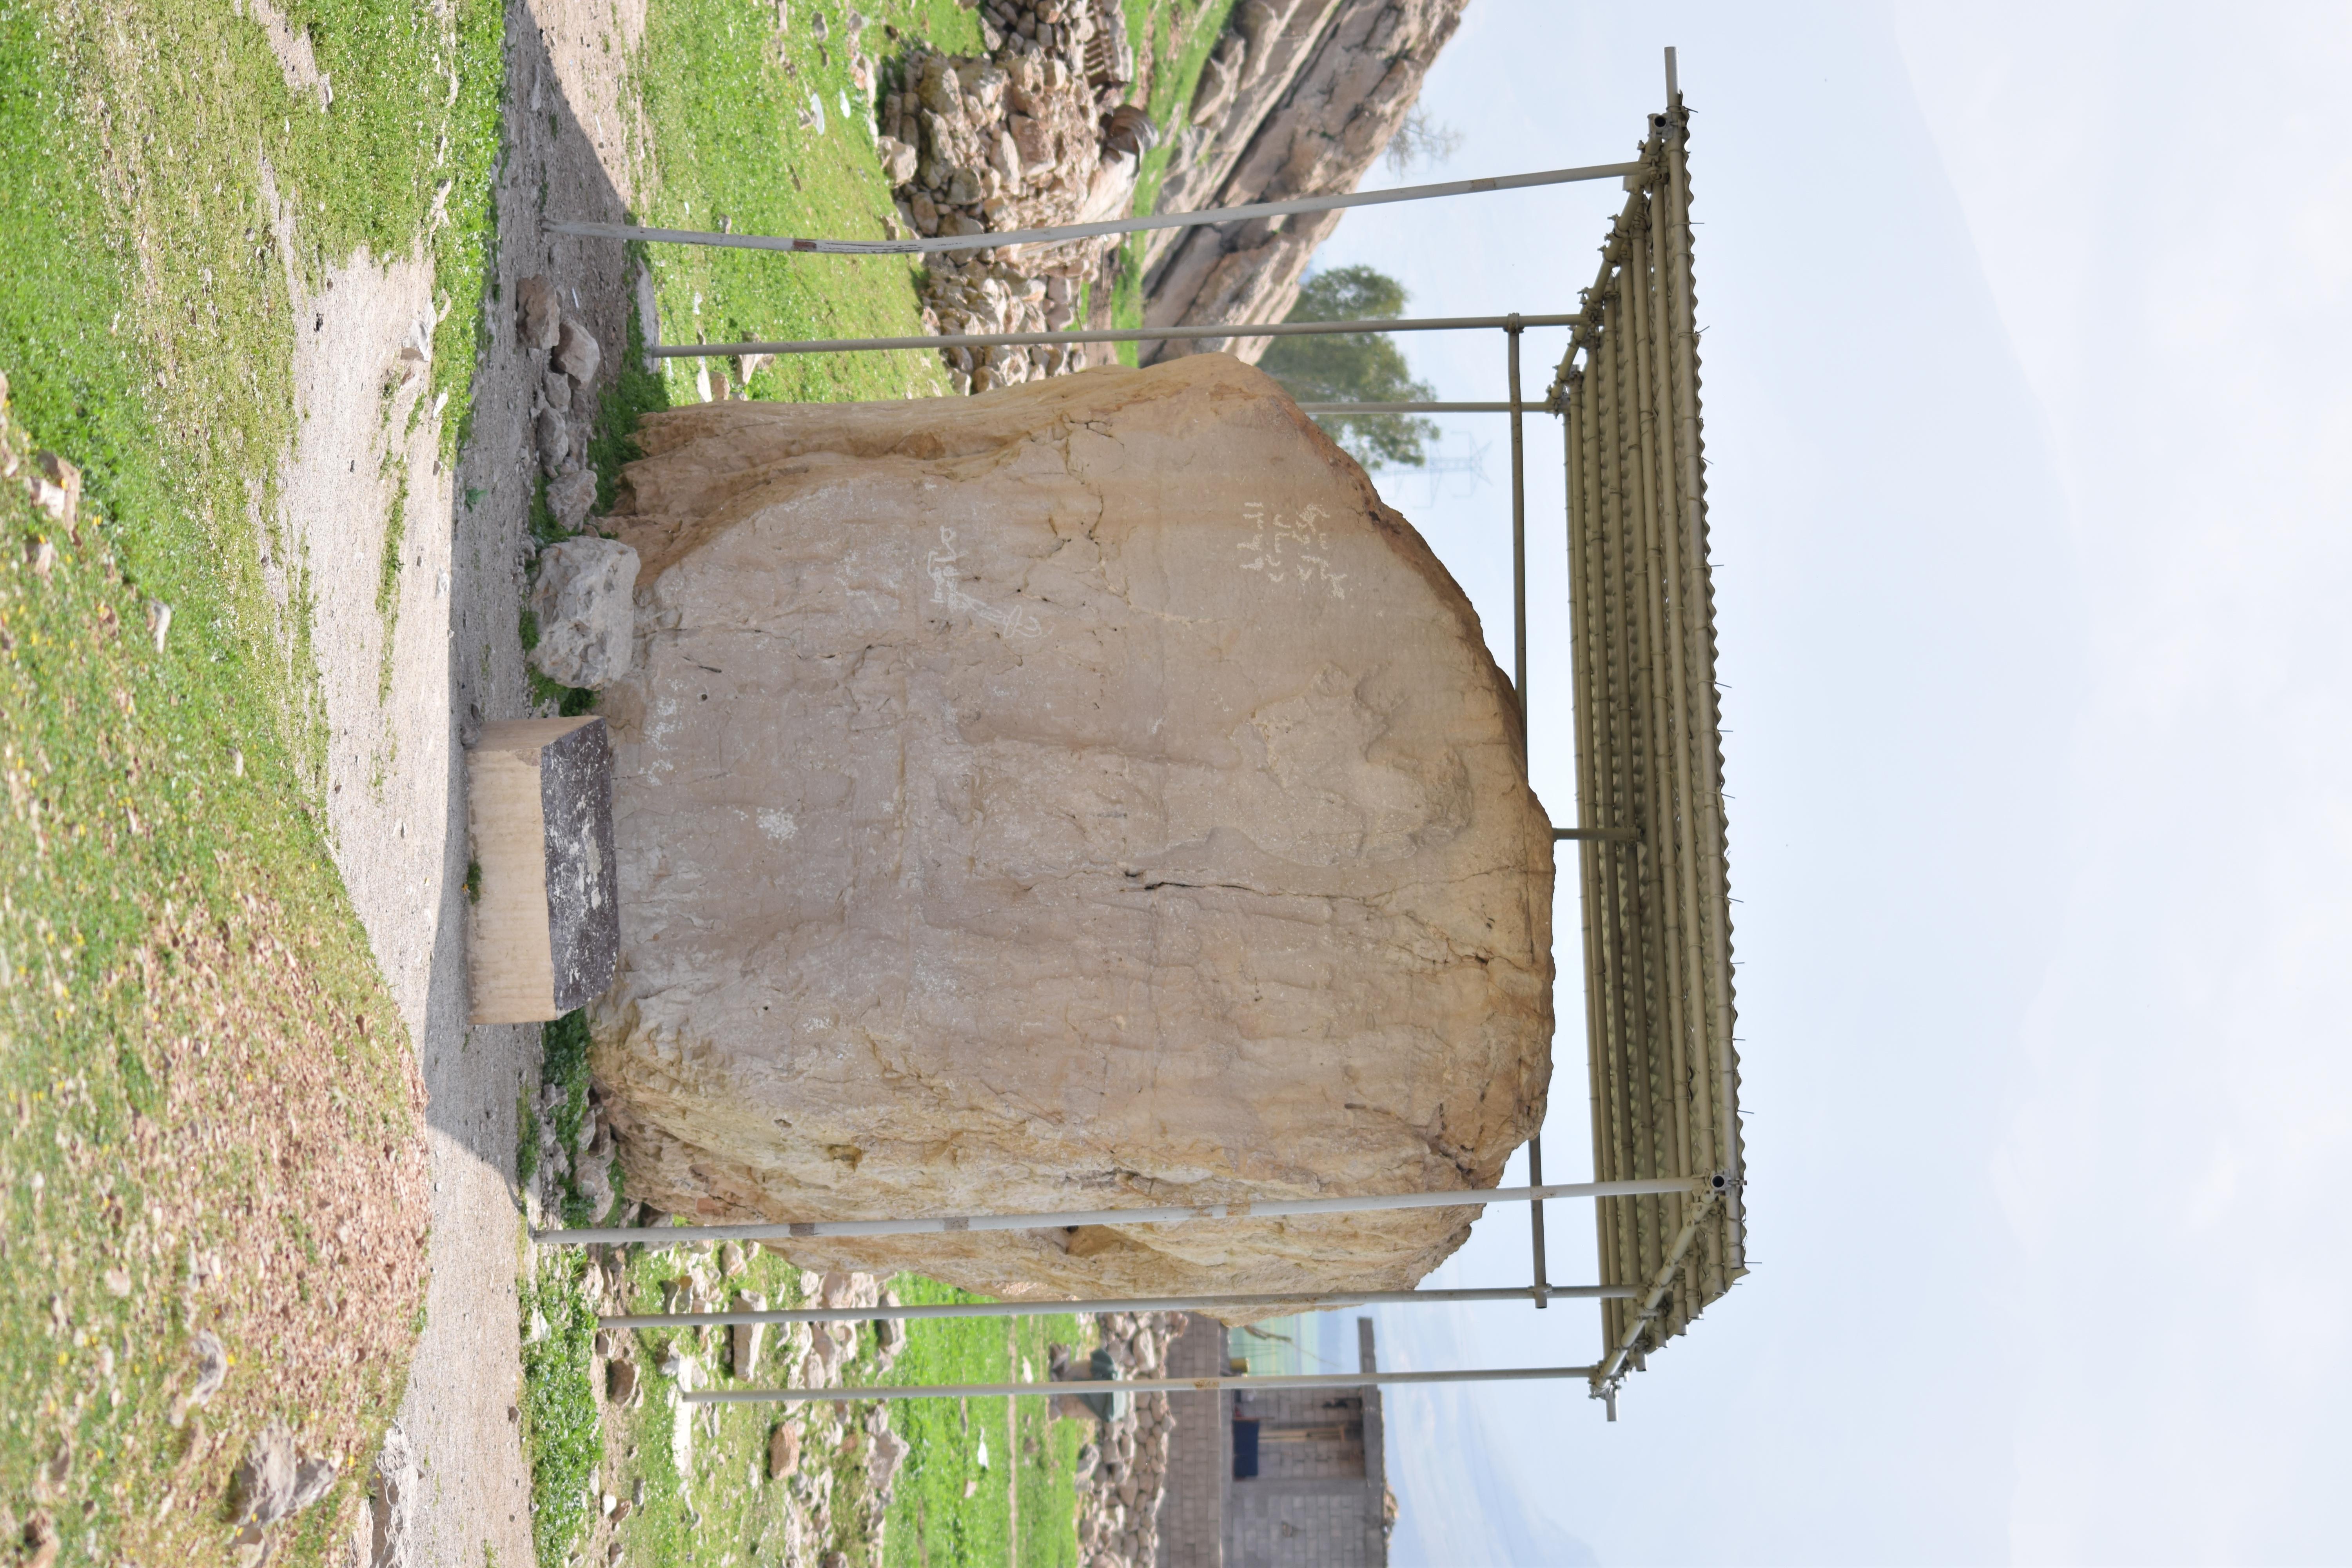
(988, 241)
(1513, 409)
(1665, 1277)
(1169, 1214)
(1102, 335)
(1598, 834)
(1312, 1303)
(1519, 689)
(1518, 543)
(1542, 1288)
(1127, 1385)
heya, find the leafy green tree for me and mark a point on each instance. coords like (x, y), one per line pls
(1355, 367)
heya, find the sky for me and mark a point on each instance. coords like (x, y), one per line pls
(2023, 335)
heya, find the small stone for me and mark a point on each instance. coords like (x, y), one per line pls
(158, 621)
(730, 1259)
(622, 1509)
(265, 1479)
(538, 313)
(745, 1339)
(554, 442)
(586, 621)
(212, 1371)
(577, 353)
(51, 1474)
(607, 1503)
(60, 487)
(44, 557)
(118, 1282)
(572, 498)
(603, 1343)
(622, 1387)
(889, 1338)
(899, 160)
(42, 1540)
(882, 1462)
(556, 388)
(784, 1451)
(311, 1480)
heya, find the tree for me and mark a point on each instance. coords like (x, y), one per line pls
(1419, 140)
(1355, 367)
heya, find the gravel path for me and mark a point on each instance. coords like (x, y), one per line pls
(396, 764)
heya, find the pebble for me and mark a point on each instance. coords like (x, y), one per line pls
(212, 1370)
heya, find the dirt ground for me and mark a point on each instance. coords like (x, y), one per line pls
(396, 767)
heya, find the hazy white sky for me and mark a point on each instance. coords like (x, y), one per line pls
(2025, 328)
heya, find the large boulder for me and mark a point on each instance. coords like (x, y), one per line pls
(1087, 793)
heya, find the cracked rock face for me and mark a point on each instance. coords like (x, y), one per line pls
(1083, 795)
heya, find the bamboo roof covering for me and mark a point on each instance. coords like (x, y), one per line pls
(1655, 894)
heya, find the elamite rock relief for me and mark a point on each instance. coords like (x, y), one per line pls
(1086, 793)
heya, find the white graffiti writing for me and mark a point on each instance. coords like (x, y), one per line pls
(1290, 548)
(947, 588)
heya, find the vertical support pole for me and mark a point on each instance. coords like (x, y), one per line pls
(1535, 1216)
(1519, 679)
(1518, 539)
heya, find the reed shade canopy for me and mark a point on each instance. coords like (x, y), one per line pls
(1651, 856)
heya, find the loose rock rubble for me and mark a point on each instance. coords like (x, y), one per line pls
(1031, 135)
(561, 401)
(1123, 1475)
(802, 1451)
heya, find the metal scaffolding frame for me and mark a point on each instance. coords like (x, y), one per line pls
(1651, 863)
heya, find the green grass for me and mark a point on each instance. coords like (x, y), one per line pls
(723, 1502)
(725, 102)
(198, 1059)
(1176, 37)
(931, 1520)
(561, 1436)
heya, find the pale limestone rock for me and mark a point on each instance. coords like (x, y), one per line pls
(581, 600)
(1080, 795)
(577, 353)
(539, 316)
(572, 498)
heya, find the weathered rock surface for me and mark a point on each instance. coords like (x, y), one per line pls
(1318, 89)
(581, 600)
(1082, 794)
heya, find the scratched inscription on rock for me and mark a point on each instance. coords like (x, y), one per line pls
(1291, 549)
(947, 588)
